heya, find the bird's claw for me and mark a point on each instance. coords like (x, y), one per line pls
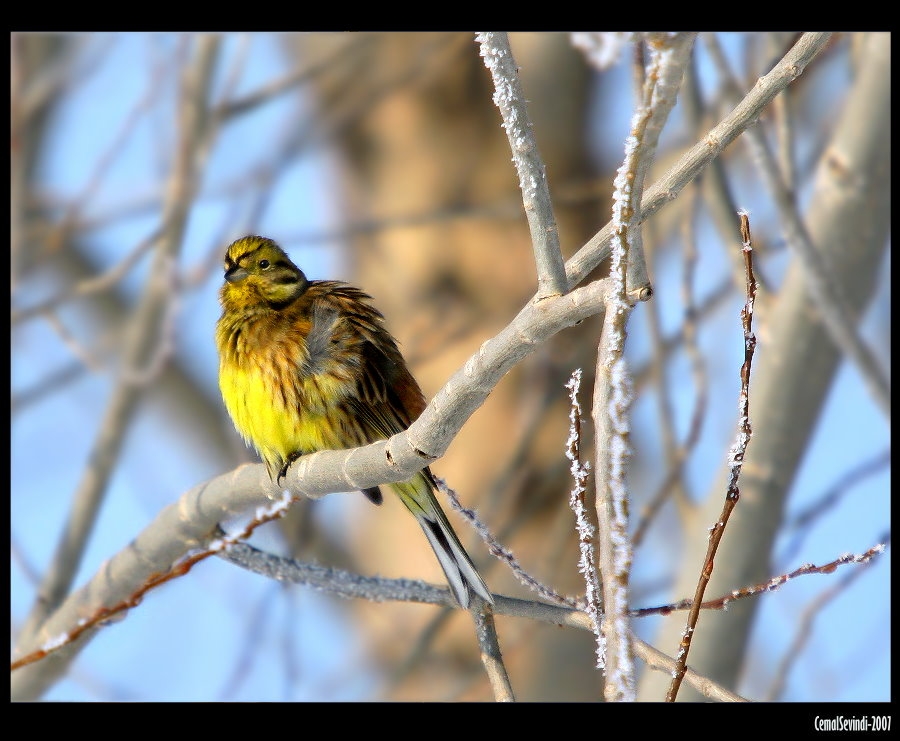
(284, 469)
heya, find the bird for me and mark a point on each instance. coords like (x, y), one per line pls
(309, 365)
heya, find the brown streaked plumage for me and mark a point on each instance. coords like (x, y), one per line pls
(309, 365)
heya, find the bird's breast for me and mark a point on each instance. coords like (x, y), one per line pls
(278, 403)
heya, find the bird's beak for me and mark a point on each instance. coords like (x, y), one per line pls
(236, 274)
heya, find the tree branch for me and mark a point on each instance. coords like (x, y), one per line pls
(695, 160)
(510, 100)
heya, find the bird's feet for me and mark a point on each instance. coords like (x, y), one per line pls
(284, 469)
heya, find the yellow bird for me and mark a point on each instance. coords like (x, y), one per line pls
(307, 365)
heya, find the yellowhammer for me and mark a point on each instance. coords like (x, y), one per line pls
(308, 365)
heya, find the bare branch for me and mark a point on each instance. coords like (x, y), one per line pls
(696, 159)
(139, 345)
(736, 460)
(490, 654)
(587, 559)
(824, 288)
(612, 387)
(510, 100)
(501, 552)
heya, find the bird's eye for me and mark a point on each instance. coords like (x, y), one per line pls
(263, 264)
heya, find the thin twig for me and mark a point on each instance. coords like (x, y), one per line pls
(737, 455)
(91, 286)
(805, 625)
(587, 559)
(103, 614)
(659, 661)
(770, 585)
(491, 658)
(501, 552)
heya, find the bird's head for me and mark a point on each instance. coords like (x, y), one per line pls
(259, 272)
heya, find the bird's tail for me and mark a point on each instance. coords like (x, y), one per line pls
(462, 576)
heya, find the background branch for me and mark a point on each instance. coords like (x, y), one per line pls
(140, 345)
(695, 160)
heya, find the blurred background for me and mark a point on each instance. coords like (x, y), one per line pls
(378, 158)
